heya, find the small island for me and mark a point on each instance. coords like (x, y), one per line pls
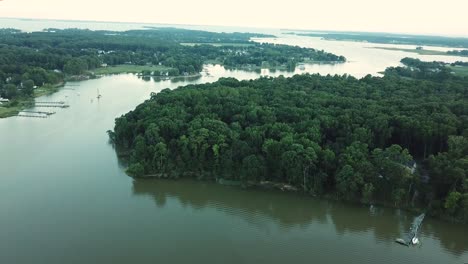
(399, 140)
(37, 63)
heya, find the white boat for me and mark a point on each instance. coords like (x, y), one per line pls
(415, 240)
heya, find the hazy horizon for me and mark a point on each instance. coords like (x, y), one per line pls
(416, 17)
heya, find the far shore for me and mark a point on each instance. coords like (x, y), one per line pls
(419, 51)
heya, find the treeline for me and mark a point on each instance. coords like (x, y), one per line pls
(389, 38)
(460, 63)
(417, 69)
(276, 55)
(458, 52)
(357, 139)
(49, 56)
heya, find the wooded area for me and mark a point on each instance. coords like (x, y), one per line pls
(397, 140)
(48, 57)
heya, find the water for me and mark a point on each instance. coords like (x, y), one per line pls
(64, 197)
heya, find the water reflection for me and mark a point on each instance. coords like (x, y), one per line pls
(289, 211)
(250, 205)
(452, 237)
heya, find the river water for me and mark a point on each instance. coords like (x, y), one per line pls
(64, 196)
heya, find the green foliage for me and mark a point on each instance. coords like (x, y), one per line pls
(451, 203)
(75, 66)
(321, 134)
(417, 69)
(10, 91)
(136, 170)
(43, 56)
(28, 87)
(367, 193)
(349, 182)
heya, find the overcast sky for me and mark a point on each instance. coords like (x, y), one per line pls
(448, 17)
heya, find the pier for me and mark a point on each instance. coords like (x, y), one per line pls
(43, 114)
(58, 104)
(31, 115)
(42, 102)
(52, 105)
(37, 112)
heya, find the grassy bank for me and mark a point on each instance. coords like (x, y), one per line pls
(17, 105)
(14, 107)
(9, 111)
(129, 69)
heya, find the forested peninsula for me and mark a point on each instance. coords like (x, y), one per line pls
(399, 140)
(32, 64)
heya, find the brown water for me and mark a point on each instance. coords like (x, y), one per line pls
(64, 198)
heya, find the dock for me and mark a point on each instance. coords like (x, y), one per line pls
(45, 102)
(37, 112)
(51, 105)
(59, 104)
(30, 115)
(43, 114)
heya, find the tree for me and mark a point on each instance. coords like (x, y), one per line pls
(367, 193)
(451, 203)
(253, 167)
(394, 169)
(136, 170)
(28, 87)
(10, 91)
(75, 66)
(348, 182)
(160, 156)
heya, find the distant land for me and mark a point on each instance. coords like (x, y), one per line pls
(386, 38)
(421, 51)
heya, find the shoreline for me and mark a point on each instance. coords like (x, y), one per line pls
(385, 43)
(25, 103)
(419, 52)
(287, 188)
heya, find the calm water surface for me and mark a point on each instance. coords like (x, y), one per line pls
(64, 196)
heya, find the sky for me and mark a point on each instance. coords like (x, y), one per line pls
(448, 17)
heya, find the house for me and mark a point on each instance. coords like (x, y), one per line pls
(411, 166)
(4, 100)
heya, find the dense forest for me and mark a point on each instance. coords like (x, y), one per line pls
(28, 60)
(396, 140)
(389, 38)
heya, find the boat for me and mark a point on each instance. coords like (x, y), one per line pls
(401, 241)
(411, 238)
(98, 94)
